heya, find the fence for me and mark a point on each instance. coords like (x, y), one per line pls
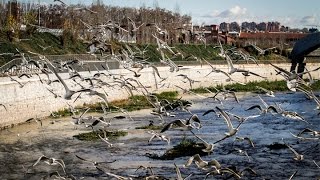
(16, 66)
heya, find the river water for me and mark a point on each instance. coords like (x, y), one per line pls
(22, 145)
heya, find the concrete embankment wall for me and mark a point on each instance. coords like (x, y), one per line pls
(33, 100)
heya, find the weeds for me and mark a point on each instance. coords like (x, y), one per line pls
(93, 135)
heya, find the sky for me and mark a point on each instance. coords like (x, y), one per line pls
(293, 13)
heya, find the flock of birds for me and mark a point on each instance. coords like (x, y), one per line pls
(78, 85)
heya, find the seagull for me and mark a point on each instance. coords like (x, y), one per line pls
(221, 171)
(20, 84)
(60, 2)
(179, 176)
(263, 110)
(56, 175)
(241, 118)
(201, 164)
(149, 169)
(185, 124)
(242, 152)
(307, 130)
(191, 81)
(209, 146)
(232, 130)
(159, 30)
(134, 27)
(210, 111)
(86, 9)
(38, 121)
(114, 175)
(298, 156)
(265, 91)
(184, 91)
(68, 93)
(291, 177)
(245, 139)
(94, 162)
(304, 138)
(215, 70)
(316, 164)
(98, 120)
(226, 92)
(51, 161)
(4, 107)
(291, 114)
(214, 97)
(161, 137)
(78, 120)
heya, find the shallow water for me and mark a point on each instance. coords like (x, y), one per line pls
(22, 145)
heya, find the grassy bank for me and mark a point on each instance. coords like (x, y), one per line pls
(43, 43)
(138, 102)
(66, 44)
(133, 103)
(279, 86)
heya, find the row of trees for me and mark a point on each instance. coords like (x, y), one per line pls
(73, 18)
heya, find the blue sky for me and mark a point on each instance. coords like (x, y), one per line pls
(293, 13)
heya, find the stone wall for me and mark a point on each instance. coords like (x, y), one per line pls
(33, 100)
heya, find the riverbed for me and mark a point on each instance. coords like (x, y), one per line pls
(22, 145)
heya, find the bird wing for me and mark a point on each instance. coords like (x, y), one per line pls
(204, 142)
(272, 108)
(305, 130)
(249, 140)
(179, 177)
(41, 158)
(190, 160)
(291, 149)
(255, 106)
(195, 118)
(83, 113)
(263, 102)
(209, 111)
(230, 171)
(226, 118)
(167, 127)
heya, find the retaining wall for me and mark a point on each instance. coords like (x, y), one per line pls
(35, 101)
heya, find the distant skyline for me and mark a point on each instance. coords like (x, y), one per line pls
(293, 13)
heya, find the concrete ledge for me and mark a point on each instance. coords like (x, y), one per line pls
(34, 100)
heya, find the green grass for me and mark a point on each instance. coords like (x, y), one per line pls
(186, 147)
(133, 103)
(151, 127)
(66, 44)
(279, 86)
(43, 39)
(93, 136)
